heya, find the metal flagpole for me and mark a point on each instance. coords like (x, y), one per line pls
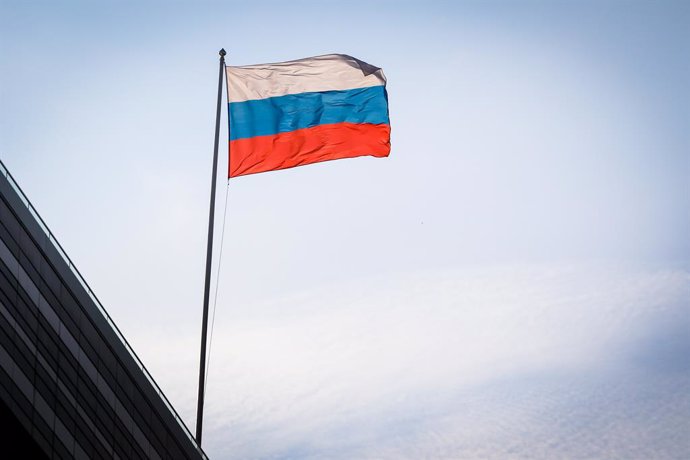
(209, 251)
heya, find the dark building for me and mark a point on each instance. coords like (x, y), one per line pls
(70, 384)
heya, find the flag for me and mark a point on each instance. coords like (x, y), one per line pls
(300, 112)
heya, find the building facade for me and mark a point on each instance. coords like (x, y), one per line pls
(70, 385)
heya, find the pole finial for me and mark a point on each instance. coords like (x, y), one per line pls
(222, 52)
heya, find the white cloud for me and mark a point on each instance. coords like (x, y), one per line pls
(536, 361)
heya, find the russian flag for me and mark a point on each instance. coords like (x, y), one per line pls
(305, 111)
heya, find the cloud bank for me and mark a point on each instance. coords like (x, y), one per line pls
(541, 361)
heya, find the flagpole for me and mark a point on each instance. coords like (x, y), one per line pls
(209, 253)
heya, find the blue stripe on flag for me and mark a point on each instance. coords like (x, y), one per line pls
(263, 117)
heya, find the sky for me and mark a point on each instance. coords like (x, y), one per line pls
(512, 282)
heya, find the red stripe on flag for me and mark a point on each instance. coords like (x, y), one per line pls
(310, 145)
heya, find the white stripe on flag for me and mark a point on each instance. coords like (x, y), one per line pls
(331, 72)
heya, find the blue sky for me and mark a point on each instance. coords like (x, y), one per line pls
(527, 236)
